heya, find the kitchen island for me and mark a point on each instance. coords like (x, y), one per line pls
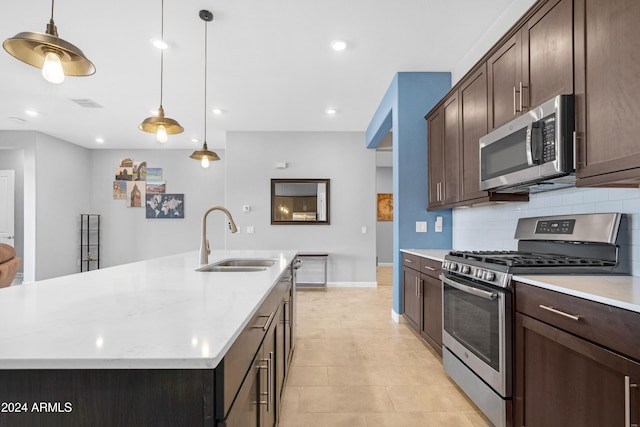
(138, 344)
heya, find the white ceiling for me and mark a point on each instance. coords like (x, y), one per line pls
(270, 66)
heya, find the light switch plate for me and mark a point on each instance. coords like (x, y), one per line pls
(438, 227)
(421, 226)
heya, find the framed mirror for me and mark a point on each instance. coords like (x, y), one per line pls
(299, 201)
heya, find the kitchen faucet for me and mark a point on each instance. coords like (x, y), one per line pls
(204, 243)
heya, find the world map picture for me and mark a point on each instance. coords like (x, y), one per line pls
(165, 205)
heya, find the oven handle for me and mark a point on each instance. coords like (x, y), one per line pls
(468, 289)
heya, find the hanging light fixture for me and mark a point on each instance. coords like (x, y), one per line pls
(159, 124)
(54, 55)
(204, 155)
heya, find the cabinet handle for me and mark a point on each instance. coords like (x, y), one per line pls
(267, 323)
(628, 385)
(515, 108)
(521, 96)
(408, 261)
(561, 313)
(429, 268)
(419, 287)
(416, 289)
(269, 385)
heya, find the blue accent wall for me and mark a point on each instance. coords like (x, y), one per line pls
(409, 98)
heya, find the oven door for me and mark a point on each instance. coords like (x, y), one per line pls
(477, 329)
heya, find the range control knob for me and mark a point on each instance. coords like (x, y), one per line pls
(489, 276)
(478, 273)
(453, 266)
(465, 269)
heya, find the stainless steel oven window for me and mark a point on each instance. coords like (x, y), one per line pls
(475, 321)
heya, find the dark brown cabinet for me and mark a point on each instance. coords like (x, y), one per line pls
(533, 65)
(422, 298)
(410, 290)
(607, 64)
(443, 154)
(454, 131)
(431, 329)
(570, 366)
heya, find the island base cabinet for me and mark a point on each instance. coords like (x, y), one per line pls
(122, 397)
(563, 380)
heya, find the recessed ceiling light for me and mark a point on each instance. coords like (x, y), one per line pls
(194, 139)
(338, 45)
(32, 113)
(160, 44)
(331, 111)
(217, 111)
(99, 140)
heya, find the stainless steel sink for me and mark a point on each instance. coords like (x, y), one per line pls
(239, 265)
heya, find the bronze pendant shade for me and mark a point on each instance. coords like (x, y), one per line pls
(204, 155)
(159, 124)
(55, 56)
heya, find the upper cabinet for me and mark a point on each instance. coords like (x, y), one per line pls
(443, 154)
(585, 47)
(607, 92)
(533, 65)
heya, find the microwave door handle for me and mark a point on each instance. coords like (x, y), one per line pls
(528, 146)
(468, 289)
(535, 143)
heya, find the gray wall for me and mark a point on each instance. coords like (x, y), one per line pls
(384, 229)
(127, 235)
(55, 179)
(13, 159)
(339, 156)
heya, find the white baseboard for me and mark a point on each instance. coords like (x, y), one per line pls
(385, 264)
(395, 316)
(352, 284)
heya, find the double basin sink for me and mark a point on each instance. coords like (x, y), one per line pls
(238, 265)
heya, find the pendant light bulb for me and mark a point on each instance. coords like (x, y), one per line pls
(161, 134)
(52, 68)
(205, 162)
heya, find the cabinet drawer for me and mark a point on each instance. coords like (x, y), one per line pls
(410, 260)
(611, 327)
(430, 267)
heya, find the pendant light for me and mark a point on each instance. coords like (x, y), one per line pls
(159, 124)
(204, 155)
(54, 55)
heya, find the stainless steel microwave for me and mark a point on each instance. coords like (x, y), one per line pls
(532, 153)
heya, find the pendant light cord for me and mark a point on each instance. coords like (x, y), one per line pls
(161, 51)
(52, 1)
(205, 81)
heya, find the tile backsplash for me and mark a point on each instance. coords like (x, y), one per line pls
(493, 226)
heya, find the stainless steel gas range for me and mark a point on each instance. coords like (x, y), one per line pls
(478, 300)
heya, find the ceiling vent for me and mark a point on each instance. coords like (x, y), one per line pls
(87, 103)
(17, 120)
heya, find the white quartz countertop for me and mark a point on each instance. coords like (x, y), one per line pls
(618, 291)
(615, 290)
(435, 254)
(155, 314)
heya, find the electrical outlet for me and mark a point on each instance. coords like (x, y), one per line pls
(421, 226)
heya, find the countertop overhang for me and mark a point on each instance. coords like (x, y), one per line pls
(154, 314)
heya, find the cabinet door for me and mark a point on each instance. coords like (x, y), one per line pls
(432, 311)
(473, 126)
(451, 152)
(435, 145)
(411, 298)
(607, 63)
(268, 377)
(562, 380)
(547, 53)
(504, 71)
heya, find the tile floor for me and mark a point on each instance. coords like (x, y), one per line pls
(354, 367)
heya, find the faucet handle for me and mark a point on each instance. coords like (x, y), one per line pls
(208, 248)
